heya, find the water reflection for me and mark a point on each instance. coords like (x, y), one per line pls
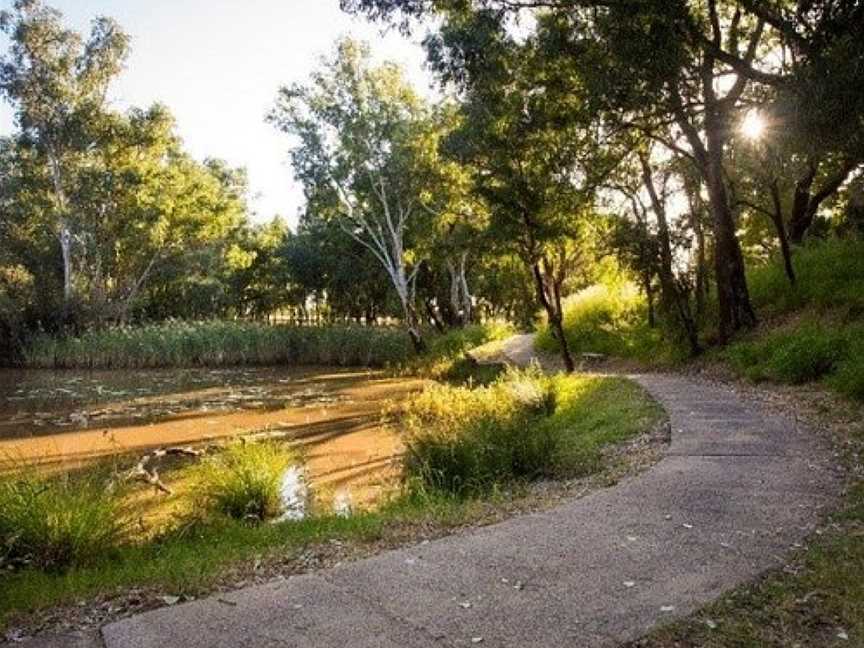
(294, 494)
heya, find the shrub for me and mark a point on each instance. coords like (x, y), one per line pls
(849, 379)
(804, 353)
(446, 357)
(465, 441)
(524, 426)
(57, 523)
(244, 481)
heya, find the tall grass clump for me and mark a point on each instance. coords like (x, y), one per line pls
(220, 343)
(605, 318)
(244, 481)
(814, 329)
(465, 441)
(58, 523)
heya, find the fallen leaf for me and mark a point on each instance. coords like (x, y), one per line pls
(169, 600)
(843, 635)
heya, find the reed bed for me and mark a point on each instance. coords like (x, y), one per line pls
(220, 344)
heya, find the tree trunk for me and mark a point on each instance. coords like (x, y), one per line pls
(649, 296)
(801, 217)
(553, 313)
(65, 237)
(806, 204)
(733, 298)
(777, 218)
(701, 287)
(433, 316)
(467, 306)
(675, 301)
(455, 294)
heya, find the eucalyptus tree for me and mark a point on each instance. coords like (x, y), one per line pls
(359, 133)
(536, 153)
(696, 64)
(57, 83)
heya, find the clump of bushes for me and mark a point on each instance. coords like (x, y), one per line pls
(464, 441)
(244, 481)
(802, 354)
(58, 523)
(220, 343)
(446, 358)
(523, 426)
(805, 352)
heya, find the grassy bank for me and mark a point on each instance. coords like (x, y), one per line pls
(812, 331)
(221, 536)
(523, 426)
(610, 319)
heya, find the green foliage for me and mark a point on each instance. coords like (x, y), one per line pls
(824, 338)
(466, 441)
(445, 357)
(608, 319)
(220, 343)
(830, 277)
(798, 355)
(456, 342)
(59, 523)
(244, 480)
(524, 425)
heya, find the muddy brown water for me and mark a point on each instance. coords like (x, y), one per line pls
(68, 419)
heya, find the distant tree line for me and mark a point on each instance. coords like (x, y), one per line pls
(669, 143)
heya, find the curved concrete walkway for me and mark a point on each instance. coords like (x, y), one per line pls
(736, 490)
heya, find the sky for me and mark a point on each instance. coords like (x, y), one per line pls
(218, 64)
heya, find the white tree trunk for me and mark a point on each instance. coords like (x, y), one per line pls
(467, 304)
(64, 231)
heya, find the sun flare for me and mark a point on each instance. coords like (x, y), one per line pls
(753, 126)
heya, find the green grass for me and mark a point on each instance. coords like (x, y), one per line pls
(220, 343)
(523, 426)
(446, 358)
(612, 320)
(244, 481)
(195, 552)
(830, 278)
(815, 329)
(193, 557)
(58, 523)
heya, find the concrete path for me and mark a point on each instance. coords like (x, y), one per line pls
(737, 489)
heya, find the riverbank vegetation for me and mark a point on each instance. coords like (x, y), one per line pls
(225, 507)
